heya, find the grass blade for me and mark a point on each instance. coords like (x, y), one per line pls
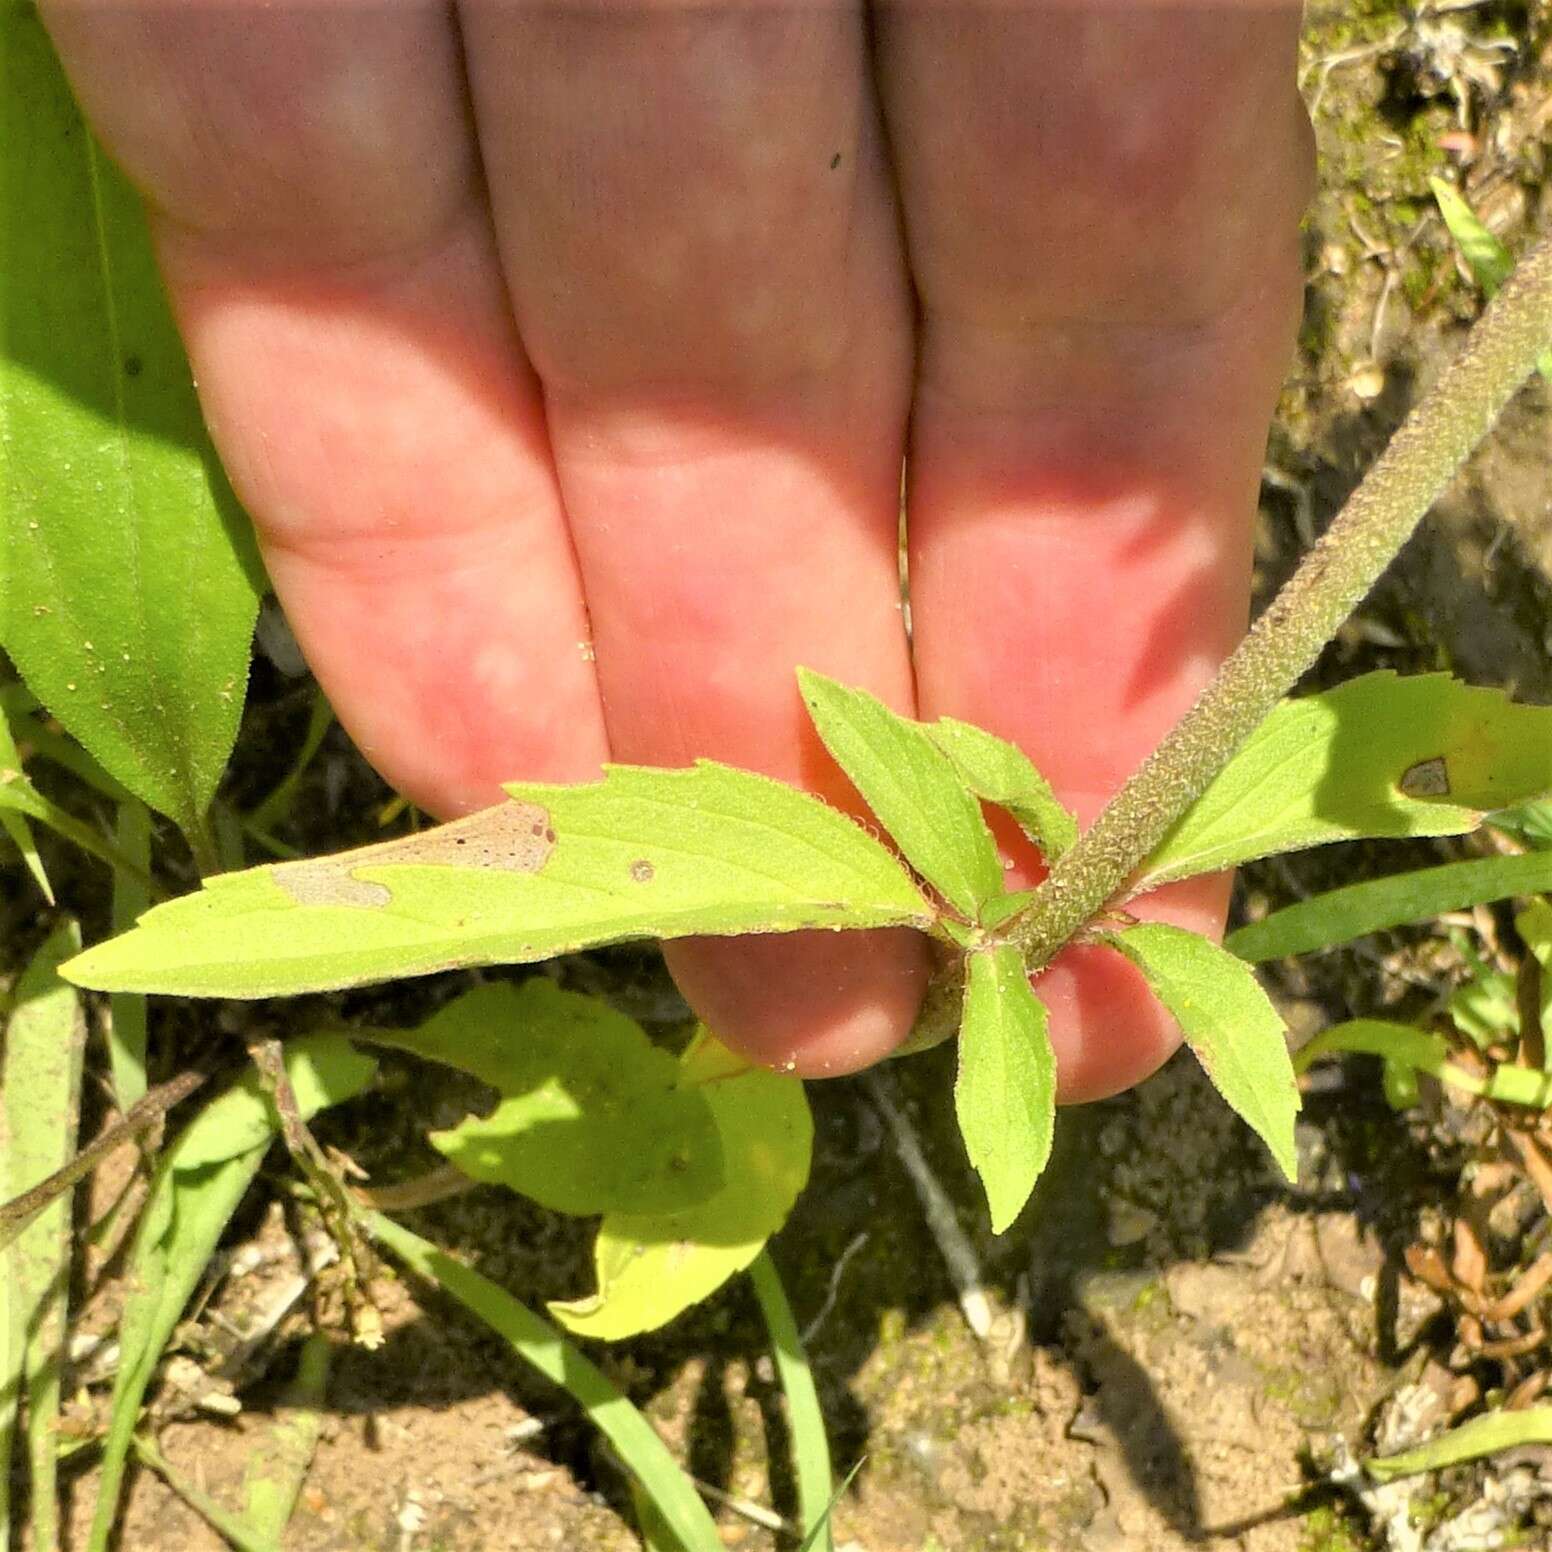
(45, 1044)
(127, 1010)
(1340, 915)
(274, 1478)
(1481, 1436)
(198, 1184)
(536, 1341)
(810, 1446)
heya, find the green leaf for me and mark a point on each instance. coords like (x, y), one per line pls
(1485, 1006)
(278, 1464)
(199, 1181)
(1343, 914)
(41, 1090)
(128, 579)
(651, 1267)
(1005, 1094)
(913, 788)
(1229, 1023)
(1486, 257)
(1532, 822)
(127, 1021)
(592, 1116)
(1378, 756)
(1422, 1051)
(539, 1344)
(641, 854)
(14, 825)
(1003, 774)
(1481, 1436)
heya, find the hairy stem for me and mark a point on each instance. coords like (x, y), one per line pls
(1421, 459)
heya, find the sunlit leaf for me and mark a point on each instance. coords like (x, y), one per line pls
(1343, 914)
(128, 579)
(1003, 774)
(641, 854)
(1378, 756)
(1229, 1023)
(913, 788)
(651, 1267)
(592, 1116)
(1005, 1094)
(1481, 1436)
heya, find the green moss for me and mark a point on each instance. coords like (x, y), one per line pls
(1327, 1529)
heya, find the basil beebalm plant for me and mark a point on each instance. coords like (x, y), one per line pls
(647, 853)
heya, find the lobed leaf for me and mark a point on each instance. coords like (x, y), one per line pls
(592, 1116)
(640, 854)
(1005, 1093)
(1229, 1023)
(1377, 756)
(1003, 774)
(1340, 915)
(128, 579)
(651, 1267)
(913, 788)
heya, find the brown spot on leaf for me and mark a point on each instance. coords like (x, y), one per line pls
(642, 871)
(1427, 779)
(512, 837)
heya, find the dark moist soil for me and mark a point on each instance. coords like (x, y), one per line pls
(1181, 1345)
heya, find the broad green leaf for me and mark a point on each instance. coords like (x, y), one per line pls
(641, 854)
(128, 579)
(592, 1116)
(1229, 1023)
(1481, 1436)
(1005, 1094)
(40, 1091)
(1532, 822)
(14, 825)
(1421, 1050)
(912, 787)
(539, 1344)
(277, 1468)
(198, 1183)
(1377, 756)
(1003, 774)
(1486, 257)
(653, 1266)
(1343, 914)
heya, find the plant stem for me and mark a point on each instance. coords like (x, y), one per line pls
(1422, 458)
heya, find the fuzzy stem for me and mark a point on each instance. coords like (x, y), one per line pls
(1421, 459)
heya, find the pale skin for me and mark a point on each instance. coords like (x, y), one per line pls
(566, 358)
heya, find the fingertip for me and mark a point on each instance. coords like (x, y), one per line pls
(816, 1004)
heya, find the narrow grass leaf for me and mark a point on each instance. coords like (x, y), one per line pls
(805, 1419)
(128, 579)
(13, 823)
(200, 1178)
(40, 1085)
(591, 1118)
(912, 787)
(811, 1541)
(1471, 1441)
(1003, 774)
(1419, 1050)
(1341, 915)
(1486, 257)
(540, 1345)
(127, 1010)
(1377, 756)
(1005, 1093)
(641, 854)
(653, 1266)
(1229, 1023)
(272, 1481)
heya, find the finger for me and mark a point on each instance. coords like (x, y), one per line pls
(1101, 206)
(318, 209)
(702, 251)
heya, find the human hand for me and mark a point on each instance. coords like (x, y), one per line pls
(565, 357)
